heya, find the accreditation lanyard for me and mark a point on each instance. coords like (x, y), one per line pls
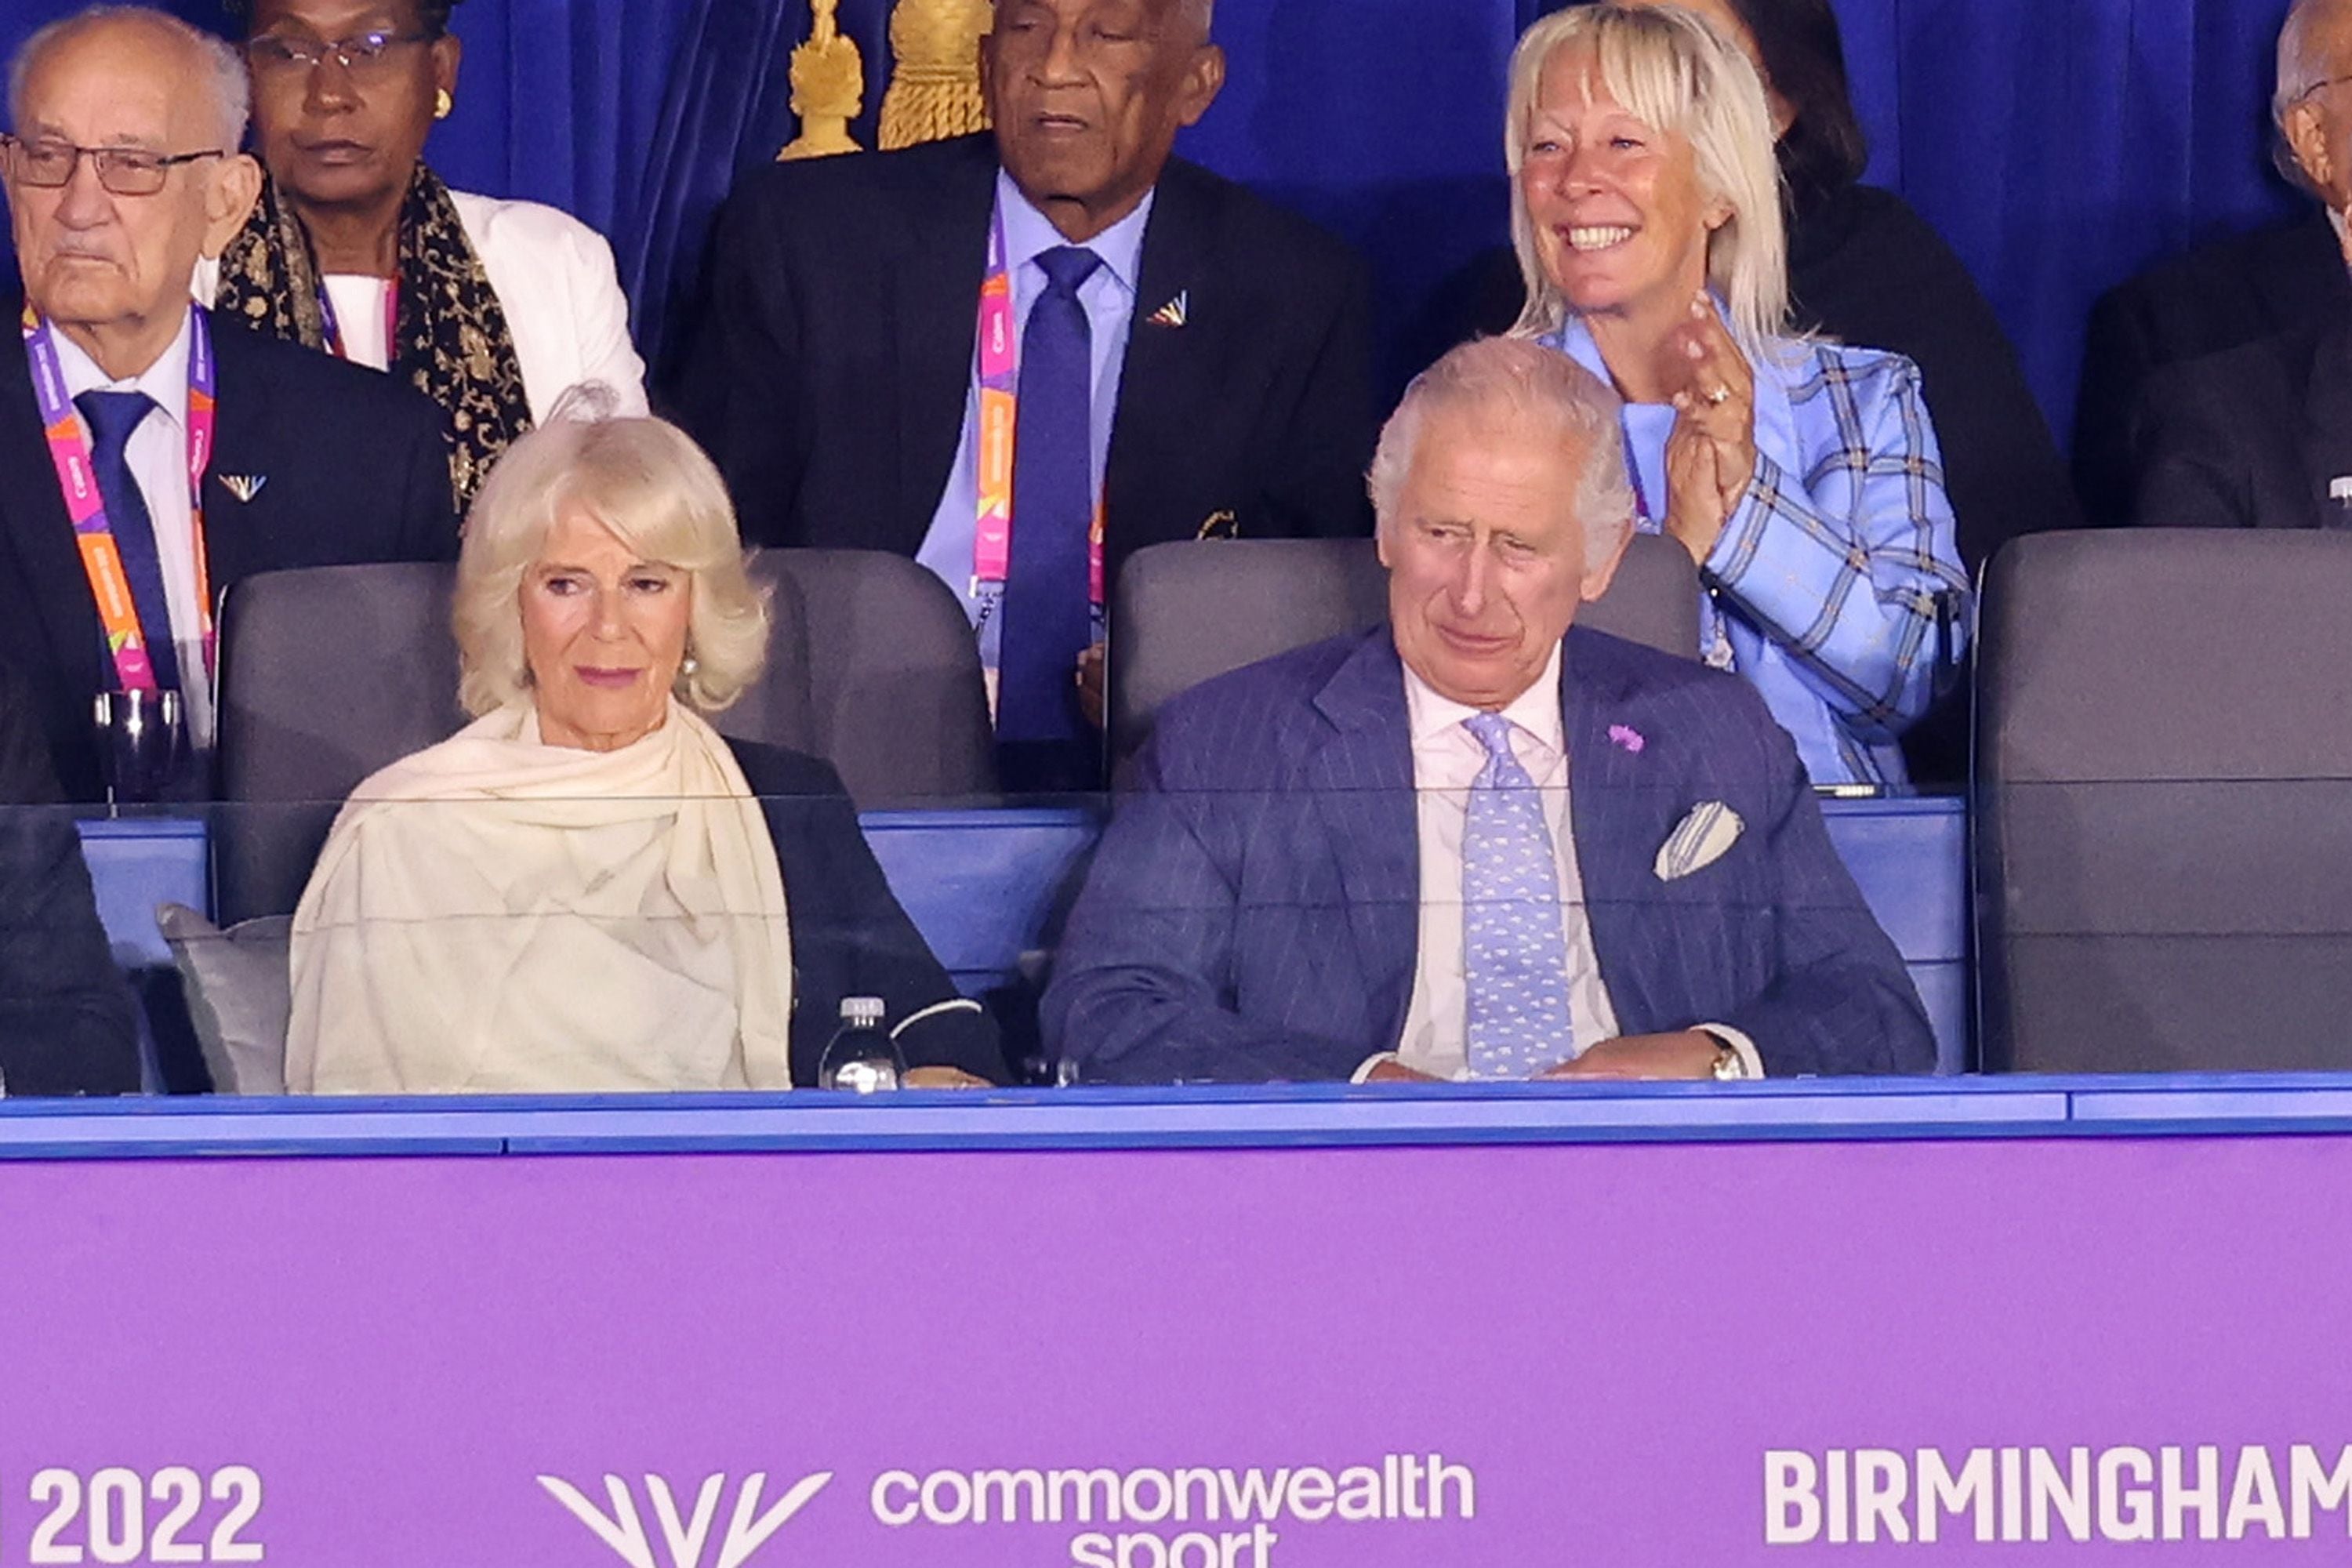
(70, 451)
(1000, 405)
(333, 327)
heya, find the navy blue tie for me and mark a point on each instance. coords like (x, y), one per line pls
(1048, 611)
(112, 416)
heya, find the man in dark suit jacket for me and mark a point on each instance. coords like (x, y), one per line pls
(836, 379)
(2216, 298)
(1331, 864)
(2279, 283)
(2259, 436)
(314, 462)
(66, 1020)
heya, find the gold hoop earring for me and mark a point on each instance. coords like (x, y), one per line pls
(442, 104)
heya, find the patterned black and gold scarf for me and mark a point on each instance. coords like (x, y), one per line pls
(451, 340)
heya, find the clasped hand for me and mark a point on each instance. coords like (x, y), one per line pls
(1712, 453)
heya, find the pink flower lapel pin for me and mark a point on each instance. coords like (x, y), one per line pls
(1627, 737)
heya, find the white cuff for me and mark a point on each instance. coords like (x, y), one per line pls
(959, 1004)
(1741, 1045)
(1370, 1065)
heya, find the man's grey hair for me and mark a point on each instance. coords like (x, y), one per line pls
(2301, 64)
(220, 69)
(1513, 383)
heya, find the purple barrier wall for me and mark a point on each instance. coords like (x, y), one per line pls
(1599, 1354)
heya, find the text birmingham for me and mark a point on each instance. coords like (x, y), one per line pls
(1866, 1497)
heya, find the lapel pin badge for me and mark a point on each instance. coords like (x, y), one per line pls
(1627, 738)
(1176, 311)
(2339, 489)
(244, 487)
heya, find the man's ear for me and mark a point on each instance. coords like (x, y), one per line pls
(1204, 78)
(984, 50)
(2306, 130)
(1601, 570)
(235, 186)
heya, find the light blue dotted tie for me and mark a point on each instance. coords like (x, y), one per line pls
(1514, 949)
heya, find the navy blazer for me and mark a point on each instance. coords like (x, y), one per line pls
(67, 1024)
(850, 935)
(352, 469)
(1254, 912)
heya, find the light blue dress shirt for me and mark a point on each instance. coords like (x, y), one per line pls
(1108, 298)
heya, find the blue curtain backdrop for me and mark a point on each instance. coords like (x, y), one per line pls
(2059, 146)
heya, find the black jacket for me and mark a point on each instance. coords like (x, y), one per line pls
(850, 937)
(2253, 436)
(353, 469)
(830, 375)
(2216, 297)
(66, 1020)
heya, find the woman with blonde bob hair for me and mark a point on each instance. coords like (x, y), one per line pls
(586, 889)
(1802, 476)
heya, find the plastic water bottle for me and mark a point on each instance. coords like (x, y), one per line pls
(861, 1057)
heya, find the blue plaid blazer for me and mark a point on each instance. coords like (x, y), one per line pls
(1254, 910)
(1832, 573)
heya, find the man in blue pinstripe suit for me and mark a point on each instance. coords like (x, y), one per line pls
(1477, 843)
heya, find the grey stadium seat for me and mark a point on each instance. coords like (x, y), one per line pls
(329, 674)
(1183, 613)
(2163, 817)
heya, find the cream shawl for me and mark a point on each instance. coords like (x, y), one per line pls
(493, 914)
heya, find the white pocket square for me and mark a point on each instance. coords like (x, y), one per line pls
(1698, 841)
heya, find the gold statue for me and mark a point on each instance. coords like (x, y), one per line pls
(934, 87)
(828, 79)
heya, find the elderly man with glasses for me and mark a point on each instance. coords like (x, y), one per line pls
(155, 455)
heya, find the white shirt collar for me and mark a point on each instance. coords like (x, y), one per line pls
(165, 381)
(1029, 234)
(1535, 712)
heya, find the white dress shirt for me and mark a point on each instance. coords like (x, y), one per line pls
(157, 452)
(1447, 760)
(358, 300)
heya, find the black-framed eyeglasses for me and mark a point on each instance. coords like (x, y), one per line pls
(363, 54)
(122, 170)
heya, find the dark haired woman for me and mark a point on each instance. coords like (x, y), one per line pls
(491, 308)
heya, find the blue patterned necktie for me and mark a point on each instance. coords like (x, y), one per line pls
(112, 416)
(1514, 948)
(1048, 599)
